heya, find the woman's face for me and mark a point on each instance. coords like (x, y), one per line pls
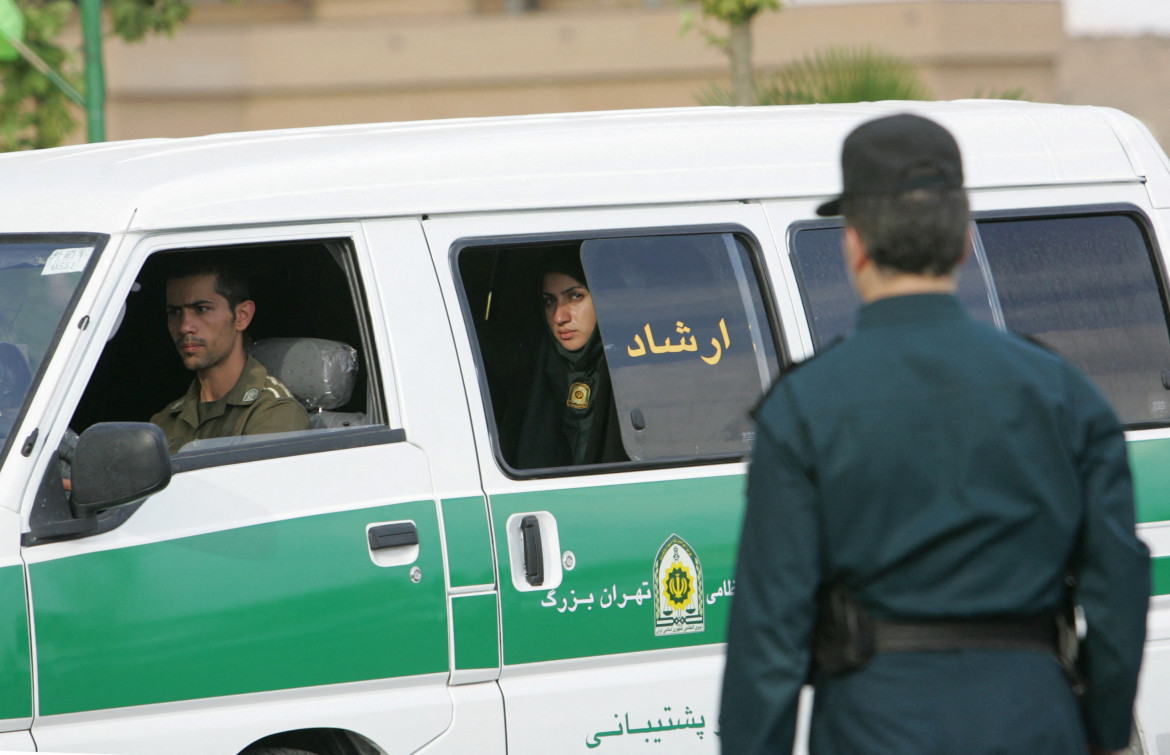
(568, 310)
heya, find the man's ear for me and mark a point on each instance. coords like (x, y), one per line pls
(856, 255)
(967, 248)
(244, 312)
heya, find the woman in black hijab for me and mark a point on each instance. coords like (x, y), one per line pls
(570, 417)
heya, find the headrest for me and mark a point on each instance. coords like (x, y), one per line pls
(320, 373)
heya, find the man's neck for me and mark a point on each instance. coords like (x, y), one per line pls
(885, 285)
(217, 380)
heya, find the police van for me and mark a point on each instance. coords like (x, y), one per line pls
(390, 580)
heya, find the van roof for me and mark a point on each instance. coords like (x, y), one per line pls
(527, 162)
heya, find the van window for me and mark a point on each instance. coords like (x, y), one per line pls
(308, 330)
(38, 278)
(1086, 287)
(687, 339)
(830, 302)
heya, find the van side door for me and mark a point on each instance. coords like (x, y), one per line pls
(283, 588)
(615, 575)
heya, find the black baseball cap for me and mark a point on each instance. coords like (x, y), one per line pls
(894, 154)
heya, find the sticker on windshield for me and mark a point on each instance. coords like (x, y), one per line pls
(71, 260)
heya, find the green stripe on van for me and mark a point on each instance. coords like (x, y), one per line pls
(604, 604)
(278, 605)
(475, 619)
(1150, 462)
(15, 662)
(1160, 575)
(469, 541)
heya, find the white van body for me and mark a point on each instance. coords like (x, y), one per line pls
(245, 606)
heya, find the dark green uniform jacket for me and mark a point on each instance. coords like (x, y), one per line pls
(259, 403)
(939, 469)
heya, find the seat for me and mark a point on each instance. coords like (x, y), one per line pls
(319, 372)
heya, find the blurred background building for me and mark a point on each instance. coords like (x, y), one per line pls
(262, 64)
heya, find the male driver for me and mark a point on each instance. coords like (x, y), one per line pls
(208, 310)
(943, 488)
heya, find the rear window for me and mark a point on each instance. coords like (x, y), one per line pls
(831, 303)
(1087, 288)
(1085, 285)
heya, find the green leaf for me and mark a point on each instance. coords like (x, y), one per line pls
(11, 26)
(34, 112)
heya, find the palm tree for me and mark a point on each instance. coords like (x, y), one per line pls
(738, 15)
(834, 75)
(843, 75)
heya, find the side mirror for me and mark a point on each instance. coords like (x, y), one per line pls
(116, 463)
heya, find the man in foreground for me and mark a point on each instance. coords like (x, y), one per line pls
(208, 310)
(937, 492)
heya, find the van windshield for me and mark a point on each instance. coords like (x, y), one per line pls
(38, 278)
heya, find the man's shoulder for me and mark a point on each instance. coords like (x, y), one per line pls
(256, 387)
(806, 373)
(272, 391)
(837, 354)
(271, 406)
(1041, 357)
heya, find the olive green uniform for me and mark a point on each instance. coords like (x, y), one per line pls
(257, 404)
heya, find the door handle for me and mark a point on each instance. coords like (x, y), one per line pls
(393, 535)
(533, 551)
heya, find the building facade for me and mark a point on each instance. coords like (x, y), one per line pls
(262, 64)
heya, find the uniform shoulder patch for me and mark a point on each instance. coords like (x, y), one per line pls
(278, 389)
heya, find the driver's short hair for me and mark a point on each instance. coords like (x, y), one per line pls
(230, 280)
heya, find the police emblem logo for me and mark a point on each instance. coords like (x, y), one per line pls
(579, 394)
(251, 395)
(678, 589)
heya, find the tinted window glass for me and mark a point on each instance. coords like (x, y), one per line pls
(1085, 287)
(831, 303)
(687, 340)
(684, 329)
(37, 283)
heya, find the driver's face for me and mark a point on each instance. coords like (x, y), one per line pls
(202, 325)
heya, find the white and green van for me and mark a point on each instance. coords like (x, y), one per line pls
(388, 582)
